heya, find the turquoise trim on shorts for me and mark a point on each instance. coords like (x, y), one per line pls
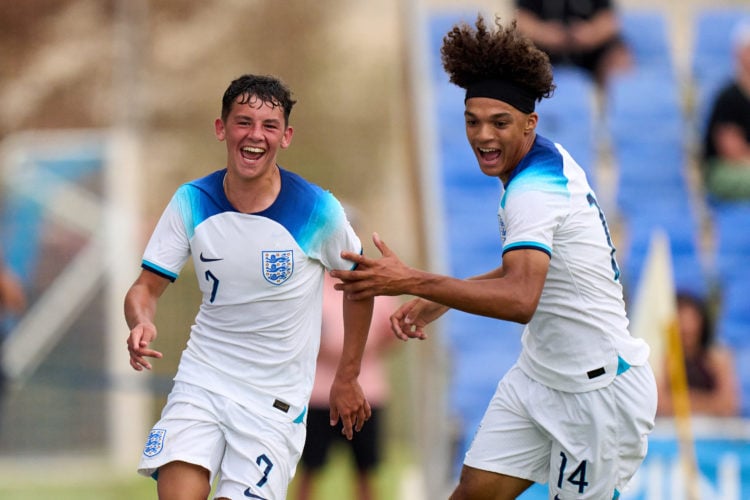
(622, 367)
(617, 493)
(301, 418)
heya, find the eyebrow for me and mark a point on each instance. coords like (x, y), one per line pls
(248, 117)
(496, 116)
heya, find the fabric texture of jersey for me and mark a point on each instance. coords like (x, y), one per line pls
(257, 333)
(579, 330)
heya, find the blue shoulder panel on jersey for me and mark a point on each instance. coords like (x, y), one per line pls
(200, 199)
(307, 211)
(533, 245)
(540, 169)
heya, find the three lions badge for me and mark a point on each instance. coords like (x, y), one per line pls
(154, 442)
(278, 265)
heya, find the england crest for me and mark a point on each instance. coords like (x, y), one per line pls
(155, 442)
(278, 265)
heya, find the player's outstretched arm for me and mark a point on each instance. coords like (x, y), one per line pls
(510, 292)
(140, 310)
(386, 275)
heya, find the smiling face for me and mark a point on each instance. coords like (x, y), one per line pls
(499, 134)
(254, 132)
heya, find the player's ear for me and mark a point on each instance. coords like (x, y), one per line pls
(531, 120)
(286, 139)
(219, 129)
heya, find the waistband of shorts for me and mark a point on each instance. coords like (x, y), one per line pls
(269, 405)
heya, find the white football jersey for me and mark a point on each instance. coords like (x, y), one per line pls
(257, 333)
(578, 338)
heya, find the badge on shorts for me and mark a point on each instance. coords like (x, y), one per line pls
(155, 442)
(277, 265)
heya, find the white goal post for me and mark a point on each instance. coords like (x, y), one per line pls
(109, 259)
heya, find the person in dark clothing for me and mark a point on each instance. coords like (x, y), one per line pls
(712, 384)
(726, 152)
(585, 34)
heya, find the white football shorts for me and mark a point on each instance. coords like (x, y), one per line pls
(253, 456)
(585, 445)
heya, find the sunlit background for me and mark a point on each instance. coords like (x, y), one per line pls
(106, 106)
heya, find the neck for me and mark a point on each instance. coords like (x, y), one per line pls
(252, 195)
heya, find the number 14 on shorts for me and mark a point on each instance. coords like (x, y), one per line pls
(577, 477)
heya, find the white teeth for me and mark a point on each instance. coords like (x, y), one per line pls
(253, 150)
(484, 150)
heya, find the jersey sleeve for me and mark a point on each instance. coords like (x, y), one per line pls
(340, 236)
(169, 246)
(529, 218)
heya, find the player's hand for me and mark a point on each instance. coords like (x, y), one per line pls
(348, 404)
(138, 341)
(384, 276)
(409, 320)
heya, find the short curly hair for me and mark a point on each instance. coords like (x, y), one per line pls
(474, 54)
(269, 89)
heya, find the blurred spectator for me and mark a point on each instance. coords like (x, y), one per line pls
(12, 303)
(12, 296)
(366, 446)
(726, 154)
(583, 34)
(712, 385)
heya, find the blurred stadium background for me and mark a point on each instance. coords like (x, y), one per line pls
(107, 105)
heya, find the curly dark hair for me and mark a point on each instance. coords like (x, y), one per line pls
(471, 55)
(268, 89)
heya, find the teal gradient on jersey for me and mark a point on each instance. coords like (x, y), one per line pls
(540, 170)
(188, 204)
(310, 213)
(318, 227)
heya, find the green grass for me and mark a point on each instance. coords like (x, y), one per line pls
(39, 488)
(93, 481)
(336, 481)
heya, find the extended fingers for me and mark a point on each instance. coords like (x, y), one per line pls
(380, 244)
(357, 258)
(138, 350)
(355, 421)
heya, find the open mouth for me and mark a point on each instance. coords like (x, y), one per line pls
(252, 153)
(489, 154)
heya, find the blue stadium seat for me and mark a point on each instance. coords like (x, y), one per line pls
(643, 93)
(742, 369)
(649, 172)
(568, 117)
(677, 218)
(478, 364)
(645, 122)
(469, 332)
(732, 240)
(438, 24)
(647, 34)
(712, 47)
(733, 321)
